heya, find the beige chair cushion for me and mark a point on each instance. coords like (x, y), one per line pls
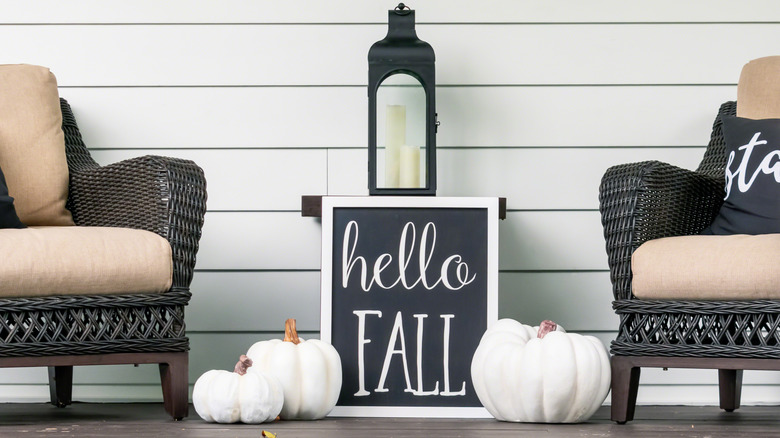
(32, 144)
(758, 92)
(41, 261)
(736, 267)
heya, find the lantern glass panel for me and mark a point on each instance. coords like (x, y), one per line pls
(401, 133)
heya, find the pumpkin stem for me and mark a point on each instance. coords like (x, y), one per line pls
(290, 334)
(545, 327)
(242, 365)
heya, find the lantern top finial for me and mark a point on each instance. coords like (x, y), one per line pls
(402, 9)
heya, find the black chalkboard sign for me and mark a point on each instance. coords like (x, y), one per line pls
(409, 285)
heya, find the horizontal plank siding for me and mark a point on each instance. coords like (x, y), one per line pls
(254, 301)
(336, 117)
(530, 178)
(242, 180)
(551, 240)
(195, 55)
(249, 240)
(578, 301)
(358, 11)
(219, 117)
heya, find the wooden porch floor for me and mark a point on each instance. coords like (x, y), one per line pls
(149, 420)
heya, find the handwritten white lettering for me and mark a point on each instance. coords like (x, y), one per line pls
(420, 392)
(406, 247)
(447, 392)
(398, 329)
(740, 173)
(362, 341)
(391, 350)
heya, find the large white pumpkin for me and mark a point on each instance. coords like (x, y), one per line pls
(227, 397)
(309, 371)
(521, 373)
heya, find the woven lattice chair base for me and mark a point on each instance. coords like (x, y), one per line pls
(729, 336)
(746, 329)
(94, 324)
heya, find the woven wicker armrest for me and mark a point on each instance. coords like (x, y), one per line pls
(164, 195)
(650, 200)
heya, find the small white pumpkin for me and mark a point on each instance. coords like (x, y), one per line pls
(309, 371)
(527, 374)
(227, 397)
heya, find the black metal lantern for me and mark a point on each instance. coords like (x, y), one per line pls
(401, 111)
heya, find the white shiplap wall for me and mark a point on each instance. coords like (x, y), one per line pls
(536, 100)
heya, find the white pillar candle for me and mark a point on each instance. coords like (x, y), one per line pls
(409, 174)
(395, 137)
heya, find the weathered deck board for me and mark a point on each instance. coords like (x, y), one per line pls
(142, 420)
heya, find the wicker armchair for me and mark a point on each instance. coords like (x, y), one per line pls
(163, 195)
(650, 200)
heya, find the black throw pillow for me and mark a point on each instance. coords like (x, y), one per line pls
(8, 217)
(752, 201)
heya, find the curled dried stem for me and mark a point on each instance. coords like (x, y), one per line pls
(545, 327)
(242, 365)
(290, 333)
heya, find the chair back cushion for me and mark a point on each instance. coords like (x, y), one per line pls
(32, 144)
(758, 92)
(735, 267)
(42, 261)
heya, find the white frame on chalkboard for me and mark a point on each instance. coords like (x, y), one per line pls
(329, 203)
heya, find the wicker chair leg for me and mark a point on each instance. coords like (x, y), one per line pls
(730, 384)
(61, 385)
(625, 383)
(174, 377)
